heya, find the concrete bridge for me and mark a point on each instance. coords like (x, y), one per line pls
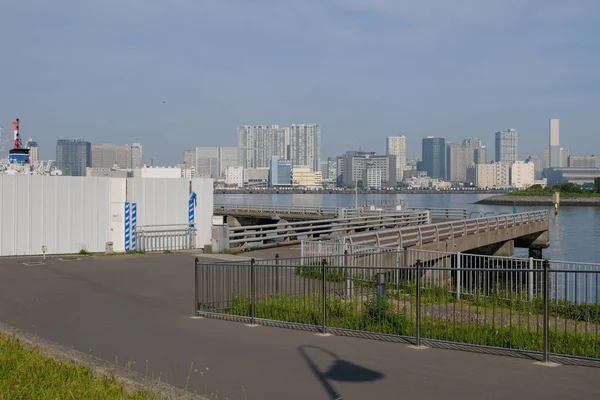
(497, 235)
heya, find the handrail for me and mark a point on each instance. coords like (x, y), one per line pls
(260, 233)
(261, 208)
(405, 237)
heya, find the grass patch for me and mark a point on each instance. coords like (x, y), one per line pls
(84, 252)
(167, 252)
(27, 373)
(487, 323)
(135, 252)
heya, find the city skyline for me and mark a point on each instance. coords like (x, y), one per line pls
(365, 70)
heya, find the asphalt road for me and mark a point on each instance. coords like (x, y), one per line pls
(138, 309)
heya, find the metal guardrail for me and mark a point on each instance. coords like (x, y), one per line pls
(165, 237)
(271, 233)
(276, 209)
(437, 213)
(533, 308)
(409, 237)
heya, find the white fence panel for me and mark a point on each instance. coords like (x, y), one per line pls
(204, 210)
(66, 214)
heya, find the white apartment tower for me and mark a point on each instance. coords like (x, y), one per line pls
(555, 143)
(305, 146)
(396, 146)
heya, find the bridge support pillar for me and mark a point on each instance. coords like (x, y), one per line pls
(535, 253)
(506, 250)
(501, 249)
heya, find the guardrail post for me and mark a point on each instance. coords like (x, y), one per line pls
(380, 290)
(458, 274)
(418, 322)
(324, 294)
(530, 281)
(277, 274)
(252, 291)
(196, 296)
(546, 265)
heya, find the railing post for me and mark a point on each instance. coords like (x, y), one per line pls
(324, 294)
(546, 265)
(252, 291)
(418, 324)
(458, 274)
(277, 274)
(530, 281)
(196, 296)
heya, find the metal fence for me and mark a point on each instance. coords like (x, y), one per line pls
(165, 237)
(277, 209)
(493, 304)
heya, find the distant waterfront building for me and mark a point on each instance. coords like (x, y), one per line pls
(554, 148)
(564, 158)
(189, 158)
(369, 169)
(280, 172)
(522, 174)
(256, 144)
(157, 172)
(256, 177)
(305, 145)
(34, 153)
(579, 176)
(73, 156)
(506, 146)
(545, 159)
(396, 146)
(537, 167)
(486, 176)
(458, 156)
(583, 161)
(110, 155)
(434, 157)
(480, 155)
(306, 177)
(213, 161)
(234, 177)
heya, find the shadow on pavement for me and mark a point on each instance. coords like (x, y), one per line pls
(338, 370)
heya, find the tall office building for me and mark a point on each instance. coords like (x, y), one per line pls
(207, 162)
(554, 143)
(506, 146)
(459, 155)
(256, 144)
(480, 155)
(369, 170)
(546, 159)
(583, 161)
(136, 155)
(305, 146)
(189, 158)
(280, 172)
(34, 153)
(434, 157)
(396, 146)
(537, 166)
(564, 158)
(73, 156)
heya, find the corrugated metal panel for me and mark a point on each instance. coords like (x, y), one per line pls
(66, 214)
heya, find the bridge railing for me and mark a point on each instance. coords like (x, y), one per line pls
(272, 233)
(165, 237)
(277, 209)
(418, 236)
(443, 213)
(533, 308)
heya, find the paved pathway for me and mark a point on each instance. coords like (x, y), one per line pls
(138, 308)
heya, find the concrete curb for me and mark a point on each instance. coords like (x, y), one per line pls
(132, 381)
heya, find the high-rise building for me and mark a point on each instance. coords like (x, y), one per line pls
(546, 159)
(207, 162)
(73, 156)
(34, 153)
(487, 176)
(189, 158)
(537, 167)
(228, 157)
(506, 146)
(305, 145)
(522, 174)
(458, 156)
(564, 158)
(136, 155)
(554, 149)
(256, 144)
(396, 146)
(434, 157)
(480, 155)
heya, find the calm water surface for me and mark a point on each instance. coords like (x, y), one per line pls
(574, 232)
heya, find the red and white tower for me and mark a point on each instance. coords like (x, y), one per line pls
(17, 138)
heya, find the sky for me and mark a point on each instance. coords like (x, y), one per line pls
(176, 74)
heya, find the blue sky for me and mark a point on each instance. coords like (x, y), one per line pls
(362, 69)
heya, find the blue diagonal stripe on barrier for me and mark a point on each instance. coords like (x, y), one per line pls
(127, 226)
(133, 225)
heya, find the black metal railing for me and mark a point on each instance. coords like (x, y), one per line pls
(497, 304)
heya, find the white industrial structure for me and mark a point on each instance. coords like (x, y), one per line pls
(69, 214)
